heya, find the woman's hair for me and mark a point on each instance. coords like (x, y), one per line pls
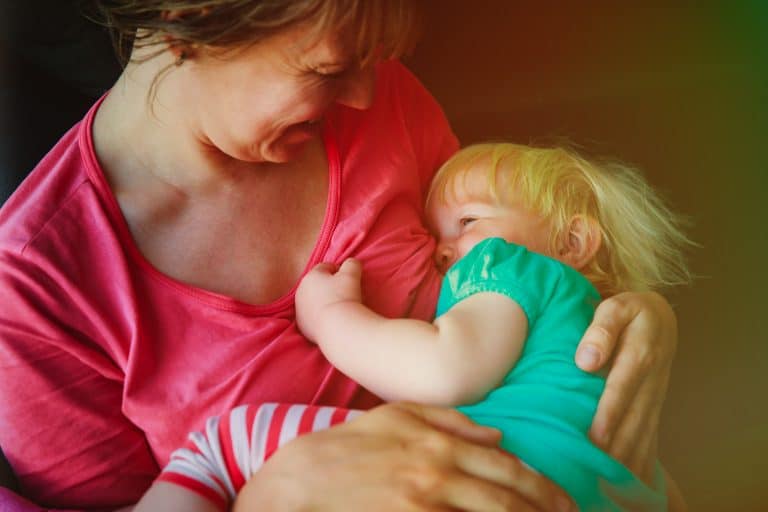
(384, 28)
(642, 239)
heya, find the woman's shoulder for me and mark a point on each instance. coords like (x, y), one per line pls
(58, 204)
(392, 72)
(398, 87)
(41, 196)
(405, 124)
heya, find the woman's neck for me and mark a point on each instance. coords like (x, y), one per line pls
(142, 130)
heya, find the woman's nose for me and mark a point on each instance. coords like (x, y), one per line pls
(357, 88)
(445, 255)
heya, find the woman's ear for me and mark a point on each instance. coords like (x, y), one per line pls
(580, 241)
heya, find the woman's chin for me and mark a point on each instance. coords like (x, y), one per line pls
(289, 146)
(284, 153)
(292, 144)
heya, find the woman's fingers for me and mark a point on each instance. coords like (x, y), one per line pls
(642, 460)
(505, 471)
(634, 442)
(467, 493)
(496, 479)
(401, 457)
(600, 339)
(453, 422)
(645, 333)
(621, 387)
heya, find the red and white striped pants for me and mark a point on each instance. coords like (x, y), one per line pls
(217, 462)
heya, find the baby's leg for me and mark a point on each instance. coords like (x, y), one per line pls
(216, 463)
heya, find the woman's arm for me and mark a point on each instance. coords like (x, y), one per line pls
(637, 334)
(400, 457)
(61, 424)
(225, 461)
(456, 360)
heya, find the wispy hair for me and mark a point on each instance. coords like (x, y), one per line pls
(643, 241)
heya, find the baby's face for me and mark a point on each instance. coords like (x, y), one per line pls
(461, 223)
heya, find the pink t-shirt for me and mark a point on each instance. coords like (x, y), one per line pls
(107, 363)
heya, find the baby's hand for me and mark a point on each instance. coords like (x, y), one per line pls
(323, 288)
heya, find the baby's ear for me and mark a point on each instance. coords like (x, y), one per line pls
(580, 241)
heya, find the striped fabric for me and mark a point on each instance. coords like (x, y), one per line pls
(217, 462)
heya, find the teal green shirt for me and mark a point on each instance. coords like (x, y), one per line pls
(545, 405)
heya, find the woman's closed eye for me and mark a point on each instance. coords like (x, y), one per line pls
(332, 71)
(332, 75)
(465, 221)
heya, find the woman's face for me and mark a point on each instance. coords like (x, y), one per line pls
(264, 103)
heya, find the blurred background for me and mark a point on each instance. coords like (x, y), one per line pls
(54, 64)
(682, 92)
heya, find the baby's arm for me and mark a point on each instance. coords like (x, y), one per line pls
(208, 472)
(166, 496)
(455, 360)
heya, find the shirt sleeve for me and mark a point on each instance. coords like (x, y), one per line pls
(430, 132)
(497, 266)
(216, 462)
(61, 424)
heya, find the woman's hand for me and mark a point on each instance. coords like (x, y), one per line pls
(640, 331)
(399, 457)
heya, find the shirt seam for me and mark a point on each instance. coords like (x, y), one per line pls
(521, 296)
(33, 238)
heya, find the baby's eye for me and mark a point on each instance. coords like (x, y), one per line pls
(464, 221)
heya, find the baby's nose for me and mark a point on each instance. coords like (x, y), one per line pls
(444, 257)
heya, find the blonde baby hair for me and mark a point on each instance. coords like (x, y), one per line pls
(642, 239)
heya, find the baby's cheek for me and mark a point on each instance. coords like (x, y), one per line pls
(466, 244)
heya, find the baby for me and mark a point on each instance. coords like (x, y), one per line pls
(529, 239)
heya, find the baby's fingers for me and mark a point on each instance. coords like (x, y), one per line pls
(325, 268)
(351, 268)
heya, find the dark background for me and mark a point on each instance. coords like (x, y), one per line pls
(680, 90)
(54, 64)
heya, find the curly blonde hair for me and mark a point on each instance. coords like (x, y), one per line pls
(643, 242)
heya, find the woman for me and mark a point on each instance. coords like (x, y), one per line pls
(148, 264)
